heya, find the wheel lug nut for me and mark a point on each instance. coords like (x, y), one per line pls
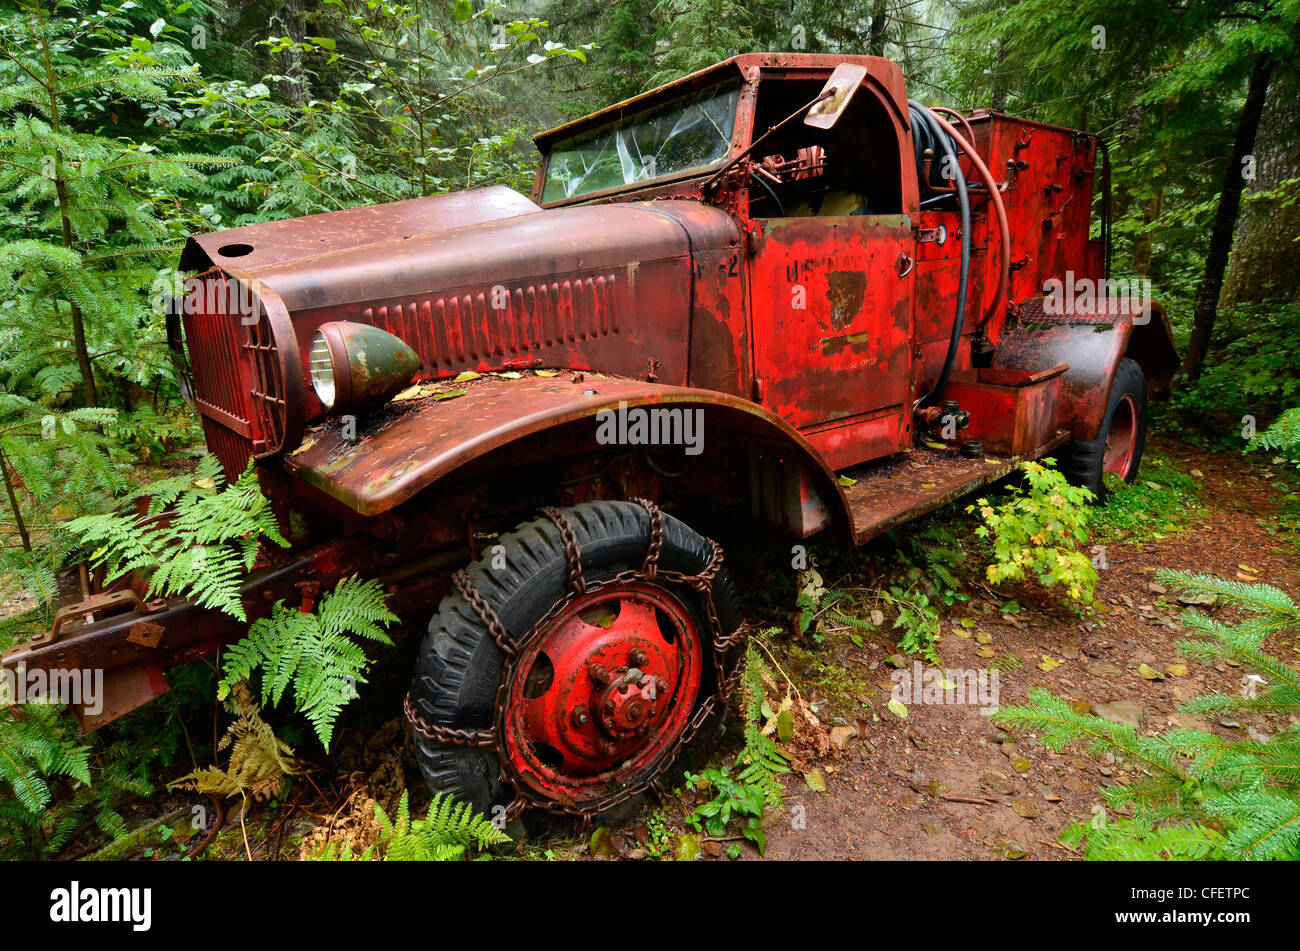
(579, 716)
(598, 673)
(637, 657)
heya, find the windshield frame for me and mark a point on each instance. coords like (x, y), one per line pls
(724, 85)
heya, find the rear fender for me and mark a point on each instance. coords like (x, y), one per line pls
(1092, 343)
(413, 445)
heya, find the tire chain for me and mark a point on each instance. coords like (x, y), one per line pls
(578, 585)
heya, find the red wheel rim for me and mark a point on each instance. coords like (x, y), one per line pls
(600, 698)
(1121, 438)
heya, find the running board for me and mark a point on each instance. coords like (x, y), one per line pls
(888, 492)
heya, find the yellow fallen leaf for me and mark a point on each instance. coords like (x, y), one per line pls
(984, 650)
(1048, 664)
(1149, 672)
(410, 393)
(846, 481)
(547, 373)
(465, 376)
(1176, 670)
(984, 638)
(205, 484)
(897, 708)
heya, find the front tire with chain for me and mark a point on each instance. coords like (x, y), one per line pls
(578, 744)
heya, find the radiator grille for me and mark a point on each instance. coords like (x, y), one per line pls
(238, 376)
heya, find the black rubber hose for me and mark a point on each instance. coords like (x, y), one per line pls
(963, 202)
(780, 208)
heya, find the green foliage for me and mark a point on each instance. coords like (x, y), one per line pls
(761, 762)
(203, 549)
(1036, 534)
(731, 800)
(1161, 501)
(315, 654)
(1253, 375)
(755, 788)
(918, 618)
(84, 212)
(36, 743)
(447, 833)
(1282, 437)
(1201, 795)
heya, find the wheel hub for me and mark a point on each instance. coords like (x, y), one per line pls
(1121, 438)
(604, 692)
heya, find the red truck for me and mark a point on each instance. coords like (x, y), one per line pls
(768, 290)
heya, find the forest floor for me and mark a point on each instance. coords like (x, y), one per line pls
(943, 782)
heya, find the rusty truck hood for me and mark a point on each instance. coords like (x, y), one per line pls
(487, 280)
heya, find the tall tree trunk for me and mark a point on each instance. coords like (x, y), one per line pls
(1263, 263)
(13, 503)
(1225, 222)
(88, 395)
(879, 18)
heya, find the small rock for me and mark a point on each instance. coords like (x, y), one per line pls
(1230, 723)
(1121, 711)
(841, 735)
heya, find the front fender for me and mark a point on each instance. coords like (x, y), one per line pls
(1092, 343)
(409, 446)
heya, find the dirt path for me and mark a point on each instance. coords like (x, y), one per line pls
(945, 782)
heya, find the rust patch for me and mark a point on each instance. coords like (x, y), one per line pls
(145, 633)
(846, 290)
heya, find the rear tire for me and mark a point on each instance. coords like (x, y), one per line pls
(460, 666)
(1118, 446)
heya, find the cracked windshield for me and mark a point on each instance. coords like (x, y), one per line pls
(686, 134)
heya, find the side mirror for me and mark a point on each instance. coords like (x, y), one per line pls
(837, 92)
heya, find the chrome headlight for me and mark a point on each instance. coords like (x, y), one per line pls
(321, 364)
(355, 364)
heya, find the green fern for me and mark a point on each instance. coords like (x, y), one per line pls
(761, 761)
(314, 654)
(447, 833)
(202, 550)
(1282, 437)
